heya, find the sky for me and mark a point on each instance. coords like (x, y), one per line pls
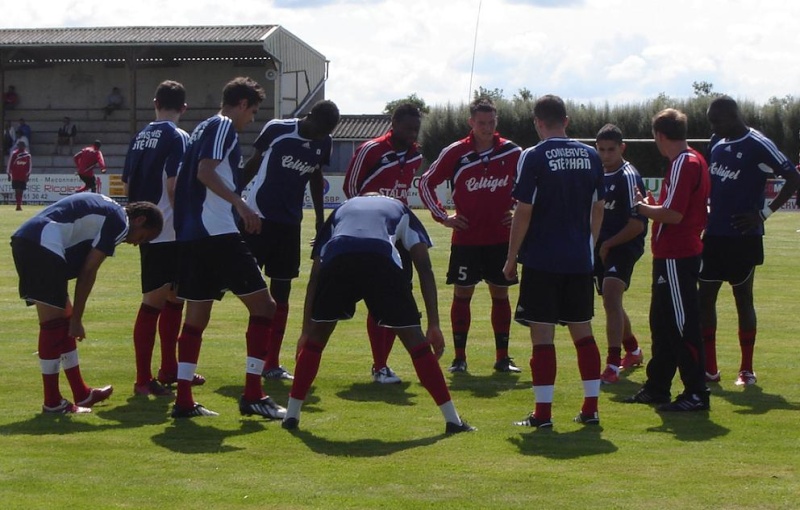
(589, 51)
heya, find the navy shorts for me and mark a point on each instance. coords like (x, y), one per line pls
(159, 262)
(213, 265)
(619, 265)
(23, 185)
(351, 277)
(471, 264)
(277, 249)
(554, 298)
(731, 259)
(42, 274)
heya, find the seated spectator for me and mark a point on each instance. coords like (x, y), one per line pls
(24, 133)
(113, 102)
(10, 98)
(66, 136)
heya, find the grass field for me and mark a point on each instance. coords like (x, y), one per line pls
(365, 446)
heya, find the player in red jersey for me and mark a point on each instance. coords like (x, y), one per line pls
(679, 217)
(19, 170)
(481, 169)
(86, 161)
(387, 165)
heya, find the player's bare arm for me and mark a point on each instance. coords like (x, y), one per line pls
(519, 229)
(598, 210)
(251, 167)
(83, 287)
(752, 219)
(427, 284)
(456, 222)
(316, 186)
(633, 228)
(206, 173)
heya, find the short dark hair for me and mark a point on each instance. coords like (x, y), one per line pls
(611, 133)
(96, 144)
(671, 123)
(404, 110)
(153, 218)
(325, 114)
(482, 104)
(550, 110)
(726, 105)
(171, 95)
(240, 88)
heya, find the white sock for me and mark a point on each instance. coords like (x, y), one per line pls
(186, 371)
(449, 412)
(254, 366)
(293, 408)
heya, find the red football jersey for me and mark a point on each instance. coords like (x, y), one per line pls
(19, 165)
(88, 159)
(481, 184)
(377, 167)
(685, 189)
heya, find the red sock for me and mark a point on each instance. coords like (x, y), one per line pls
(388, 343)
(710, 347)
(630, 344)
(377, 343)
(169, 325)
(80, 390)
(430, 373)
(50, 337)
(273, 359)
(589, 368)
(18, 196)
(501, 324)
(614, 356)
(258, 334)
(306, 369)
(543, 370)
(188, 352)
(461, 319)
(144, 338)
(747, 342)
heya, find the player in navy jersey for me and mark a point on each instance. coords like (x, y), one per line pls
(481, 169)
(559, 191)
(151, 165)
(355, 258)
(69, 240)
(387, 165)
(740, 161)
(215, 257)
(290, 154)
(679, 217)
(620, 245)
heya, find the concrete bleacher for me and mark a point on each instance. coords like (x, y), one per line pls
(114, 132)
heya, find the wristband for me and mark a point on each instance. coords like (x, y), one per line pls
(765, 213)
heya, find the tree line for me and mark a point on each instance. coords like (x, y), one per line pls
(778, 119)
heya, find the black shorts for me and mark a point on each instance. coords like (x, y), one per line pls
(23, 185)
(731, 259)
(277, 249)
(384, 287)
(215, 264)
(554, 298)
(619, 265)
(89, 181)
(471, 264)
(159, 262)
(42, 274)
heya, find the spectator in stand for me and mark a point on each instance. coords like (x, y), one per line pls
(86, 161)
(24, 131)
(19, 170)
(66, 136)
(113, 102)
(9, 138)
(10, 98)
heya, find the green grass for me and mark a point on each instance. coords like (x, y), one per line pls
(365, 446)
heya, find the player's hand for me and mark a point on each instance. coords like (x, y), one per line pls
(103, 171)
(456, 222)
(250, 219)
(436, 338)
(76, 329)
(603, 252)
(508, 217)
(744, 222)
(510, 270)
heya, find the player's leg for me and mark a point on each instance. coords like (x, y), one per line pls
(308, 362)
(144, 338)
(708, 291)
(280, 289)
(493, 259)
(198, 313)
(743, 296)
(460, 320)
(577, 308)
(53, 327)
(613, 290)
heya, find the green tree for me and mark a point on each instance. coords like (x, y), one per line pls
(496, 95)
(413, 99)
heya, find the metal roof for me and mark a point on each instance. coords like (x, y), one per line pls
(194, 35)
(362, 127)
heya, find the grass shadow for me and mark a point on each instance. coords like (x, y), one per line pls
(753, 400)
(359, 447)
(488, 386)
(393, 394)
(280, 398)
(189, 436)
(139, 411)
(46, 424)
(621, 390)
(584, 442)
(691, 426)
